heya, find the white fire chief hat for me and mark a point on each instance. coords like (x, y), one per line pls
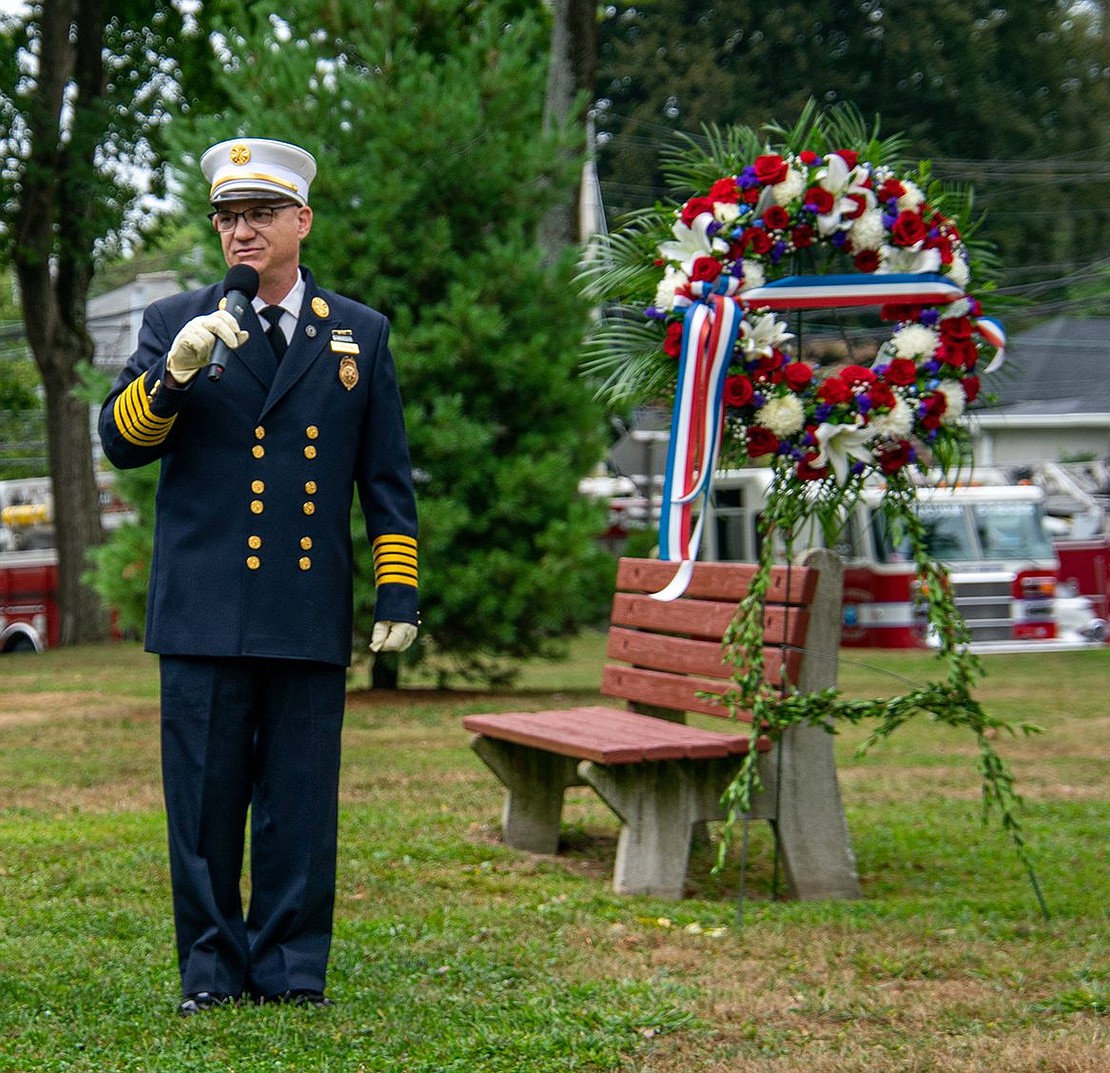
(257, 168)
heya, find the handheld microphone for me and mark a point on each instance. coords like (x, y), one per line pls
(240, 287)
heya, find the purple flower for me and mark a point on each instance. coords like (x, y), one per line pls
(821, 411)
(655, 314)
(747, 178)
(929, 317)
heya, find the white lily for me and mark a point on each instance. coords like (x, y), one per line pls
(908, 259)
(840, 181)
(763, 335)
(837, 444)
(692, 242)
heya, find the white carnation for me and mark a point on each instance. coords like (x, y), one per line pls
(957, 401)
(897, 424)
(725, 211)
(753, 275)
(958, 272)
(914, 341)
(867, 232)
(911, 198)
(783, 415)
(673, 278)
(792, 187)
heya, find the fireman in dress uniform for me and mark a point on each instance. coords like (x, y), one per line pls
(250, 602)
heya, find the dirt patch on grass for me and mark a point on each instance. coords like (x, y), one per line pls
(23, 709)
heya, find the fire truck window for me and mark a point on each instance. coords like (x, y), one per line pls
(1011, 531)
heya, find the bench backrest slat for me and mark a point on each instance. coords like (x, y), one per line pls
(670, 651)
(684, 655)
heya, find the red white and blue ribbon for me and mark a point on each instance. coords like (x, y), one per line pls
(853, 289)
(708, 337)
(992, 331)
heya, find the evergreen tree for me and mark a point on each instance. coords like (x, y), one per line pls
(435, 172)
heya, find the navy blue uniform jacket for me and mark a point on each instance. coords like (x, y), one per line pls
(252, 544)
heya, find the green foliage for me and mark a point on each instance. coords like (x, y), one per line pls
(434, 173)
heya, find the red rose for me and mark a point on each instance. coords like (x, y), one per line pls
(892, 188)
(939, 242)
(776, 218)
(849, 156)
(859, 206)
(834, 391)
(672, 341)
(770, 169)
(807, 471)
(898, 312)
(694, 208)
(761, 441)
(819, 199)
(958, 354)
(802, 236)
(895, 456)
(881, 396)
(725, 190)
(738, 391)
(955, 329)
(750, 196)
(934, 407)
(866, 260)
(706, 269)
(808, 157)
(908, 229)
(760, 240)
(857, 374)
(971, 387)
(798, 374)
(901, 372)
(768, 363)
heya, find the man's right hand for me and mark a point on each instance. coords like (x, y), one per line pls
(191, 350)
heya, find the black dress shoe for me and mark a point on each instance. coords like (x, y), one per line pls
(200, 1001)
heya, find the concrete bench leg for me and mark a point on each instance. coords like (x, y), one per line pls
(812, 832)
(535, 782)
(659, 805)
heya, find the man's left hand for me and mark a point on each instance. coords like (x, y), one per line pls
(392, 636)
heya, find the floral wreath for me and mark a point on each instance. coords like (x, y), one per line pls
(692, 296)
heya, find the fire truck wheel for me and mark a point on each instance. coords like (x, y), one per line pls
(21, 643)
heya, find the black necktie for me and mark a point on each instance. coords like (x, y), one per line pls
(278, 342)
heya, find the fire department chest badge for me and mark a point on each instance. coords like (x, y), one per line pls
(348, 372)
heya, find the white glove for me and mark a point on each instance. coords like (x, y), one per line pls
(392, 636)
(191, 350)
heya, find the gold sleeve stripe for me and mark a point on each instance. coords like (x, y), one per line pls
(395, 560)
(137, 423)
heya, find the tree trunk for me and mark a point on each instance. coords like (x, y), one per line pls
(52, 255)
(572, 71)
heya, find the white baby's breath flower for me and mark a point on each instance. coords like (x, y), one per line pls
(673, 278)
(868, 232)
(896, 424)
(792, 187)
(957, 401)
(783, 415)
(915, 341)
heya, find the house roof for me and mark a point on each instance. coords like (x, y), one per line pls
(1060, 367)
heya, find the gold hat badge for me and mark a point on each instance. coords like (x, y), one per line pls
(240, 154)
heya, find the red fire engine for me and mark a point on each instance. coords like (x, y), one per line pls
(29, 619)
(993, 538)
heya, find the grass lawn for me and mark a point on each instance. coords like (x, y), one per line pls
(454, 953)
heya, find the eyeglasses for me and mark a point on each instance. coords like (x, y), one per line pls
(257, 217)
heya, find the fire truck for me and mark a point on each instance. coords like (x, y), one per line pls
(29, 619)
(992, 535)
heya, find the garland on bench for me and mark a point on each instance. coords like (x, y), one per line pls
(828, 217)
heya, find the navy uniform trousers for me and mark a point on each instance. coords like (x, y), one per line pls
(242, 732)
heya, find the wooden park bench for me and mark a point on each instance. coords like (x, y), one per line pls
(662, 776)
